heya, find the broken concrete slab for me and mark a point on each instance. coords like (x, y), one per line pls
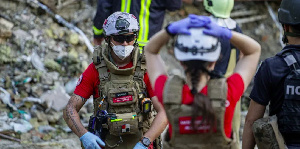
(56, 99)
(20, 34)
(5, 28)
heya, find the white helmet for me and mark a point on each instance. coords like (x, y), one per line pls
(197, 46)
(120, 23)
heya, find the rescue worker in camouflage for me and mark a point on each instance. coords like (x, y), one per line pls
(120, 86)
(200, 105)
(277, 84)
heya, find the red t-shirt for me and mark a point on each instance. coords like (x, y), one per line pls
(235, 85)
(88, 82)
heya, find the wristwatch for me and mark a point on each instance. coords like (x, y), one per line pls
(168, 32)
(146, 141)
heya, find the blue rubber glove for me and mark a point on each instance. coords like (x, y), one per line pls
(198, 21)
(139, 145)
(182, 26)
(214, 29)
(91, 141)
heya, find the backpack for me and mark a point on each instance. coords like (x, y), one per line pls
(179, 116)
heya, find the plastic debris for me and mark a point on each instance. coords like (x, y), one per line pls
(5, 97)
(23, 126)
(24, 115)
(26, 80)
(29, 99)
(3, 122)
(37, 62)
(15, 89)
(66, 129)
(46, 129)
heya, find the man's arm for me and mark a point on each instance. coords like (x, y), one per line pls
(173, 5)
(255, 111)
(104, 9)
(159, 123)
(70, 114)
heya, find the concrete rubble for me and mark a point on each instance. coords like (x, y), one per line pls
(41, 60)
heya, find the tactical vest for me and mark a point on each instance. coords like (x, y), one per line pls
(122, 89)
(179, 115)
(289, 115)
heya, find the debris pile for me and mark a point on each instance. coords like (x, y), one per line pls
(40, 61)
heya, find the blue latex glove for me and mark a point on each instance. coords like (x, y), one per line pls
(139, 145)
(198, 21)
(182, 26)
(91, 141)
(214, 29)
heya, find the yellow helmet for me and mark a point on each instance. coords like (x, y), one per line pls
(219, 8)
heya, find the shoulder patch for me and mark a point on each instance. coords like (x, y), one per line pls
(227, 103)
(79, 80)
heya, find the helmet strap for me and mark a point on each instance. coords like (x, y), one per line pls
(135, 42)
(107, 39)
(287, 33)
(284, 39)
(292, 34)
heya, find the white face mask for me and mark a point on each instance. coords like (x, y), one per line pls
(122, 51)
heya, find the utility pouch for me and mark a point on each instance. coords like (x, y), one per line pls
(91, 126)
(266, 133)
(146, 105)
(123, 124)
(95, 124)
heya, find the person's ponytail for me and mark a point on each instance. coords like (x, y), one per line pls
(202, 103)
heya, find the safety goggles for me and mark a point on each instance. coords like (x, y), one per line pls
(122, 38)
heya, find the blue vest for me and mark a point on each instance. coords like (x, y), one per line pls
(289, 115)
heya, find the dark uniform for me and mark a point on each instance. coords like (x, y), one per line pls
(228, 57)
(150, 15)
(269, 87)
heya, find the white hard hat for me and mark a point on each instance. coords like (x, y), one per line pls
(197, 46)
(120, 23)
